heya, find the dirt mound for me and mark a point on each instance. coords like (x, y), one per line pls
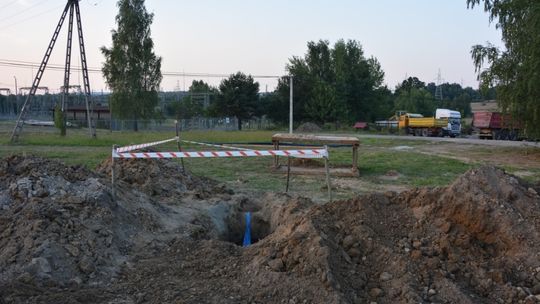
(18, 166)
(475, 241)
(163, 178)
(60, 226)
(308, 127)
(56, 222)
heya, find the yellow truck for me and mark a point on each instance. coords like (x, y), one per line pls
(418, 125)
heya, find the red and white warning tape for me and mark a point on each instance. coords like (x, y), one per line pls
(142, 146)
(216, 146)
(315, 153)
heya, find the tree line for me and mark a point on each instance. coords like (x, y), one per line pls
(335, 83)
(331, 85)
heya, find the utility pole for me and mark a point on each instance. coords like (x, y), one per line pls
(72, 7)
(16, 92)
(291, 106)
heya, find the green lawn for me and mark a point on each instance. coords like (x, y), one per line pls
(377, 158)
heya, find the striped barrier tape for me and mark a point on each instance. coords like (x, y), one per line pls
(240, 149)
(315, 153)
(216, 146)
(141, 146)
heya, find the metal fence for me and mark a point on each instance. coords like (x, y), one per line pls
(199, 123)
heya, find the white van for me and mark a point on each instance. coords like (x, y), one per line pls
(454, 121)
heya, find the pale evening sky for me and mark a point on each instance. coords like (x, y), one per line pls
(408, 37)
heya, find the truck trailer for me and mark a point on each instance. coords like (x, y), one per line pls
(496, 125)
(418, 125)
(445, 123)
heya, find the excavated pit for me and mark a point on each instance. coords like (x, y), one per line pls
(172, 237)
(261, 216)
(236, 228)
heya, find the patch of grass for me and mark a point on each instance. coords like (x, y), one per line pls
(376, 158)
(531, 175)
(107, 139)
(417, 169)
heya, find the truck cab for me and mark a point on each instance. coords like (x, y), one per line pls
(453, 128)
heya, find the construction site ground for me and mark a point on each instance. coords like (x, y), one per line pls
(464, 227)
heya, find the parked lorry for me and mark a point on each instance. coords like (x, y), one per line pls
(445, 123)
(418, 125)
(496, 125)
(453, 127)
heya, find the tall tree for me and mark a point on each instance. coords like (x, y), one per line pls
(131, 69)
(514, 71)
(200, 96)
(409, 84)
(323, 106)
(238, 97)
(332, 84)
(416, 100)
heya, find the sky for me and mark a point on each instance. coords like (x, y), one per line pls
(408, 37)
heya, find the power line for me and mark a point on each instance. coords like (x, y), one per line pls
(23, 11)
(9, 4)
(27, 64)
(29, 18)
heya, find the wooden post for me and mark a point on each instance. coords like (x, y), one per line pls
(288, 173)
(276, 158)
(178, 144)
(113, 190)
(327, 167)
(355, 159)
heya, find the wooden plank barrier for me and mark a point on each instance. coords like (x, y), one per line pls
(354, 142)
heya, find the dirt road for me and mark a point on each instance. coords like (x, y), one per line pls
(470, 140)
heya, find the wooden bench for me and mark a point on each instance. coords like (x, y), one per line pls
(319, 140)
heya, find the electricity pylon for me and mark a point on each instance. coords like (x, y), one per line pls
(72, 7)
(438, 89)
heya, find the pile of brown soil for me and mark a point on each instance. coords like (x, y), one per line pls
(161, 178)
(475, 241)
(60, 227)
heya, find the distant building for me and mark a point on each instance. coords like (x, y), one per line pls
(99, 112)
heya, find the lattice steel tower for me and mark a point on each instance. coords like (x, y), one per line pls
(72, 7)
(438, 89)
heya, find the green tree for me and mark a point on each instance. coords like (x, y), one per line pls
(409, 84)
(237, 97)
(59, 120)
(323, 106)
(342, 71)
(382, 104)
(303, 81)
(201, 95)
(455, 97)
(513, 71)
(416, 100)
(131, 69)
